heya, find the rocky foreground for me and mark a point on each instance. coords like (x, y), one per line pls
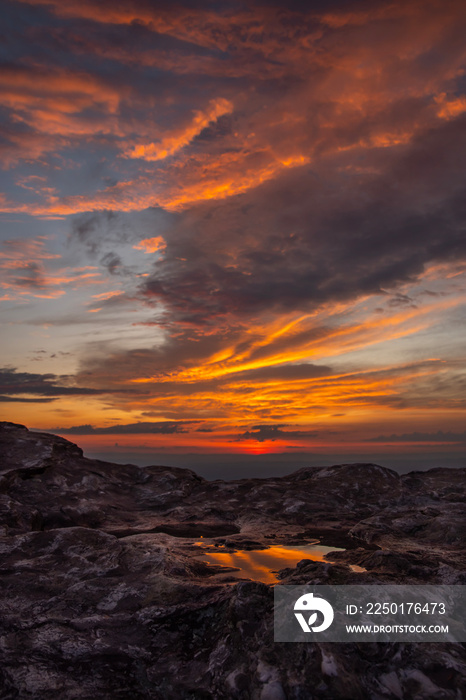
(104, 592)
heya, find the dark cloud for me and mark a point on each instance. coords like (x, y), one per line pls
(92, 230)
(402, 300)
(41, 355)
(16, 399)
(275, 432)
(288, 372)
(112, 262)
(31, 277)
(143, 428)
(439, 436)
(107, 238)
(13, 382)
(332, 239)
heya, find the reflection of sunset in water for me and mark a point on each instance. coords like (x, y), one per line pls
(259, 564)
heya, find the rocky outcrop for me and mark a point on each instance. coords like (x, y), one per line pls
(104, 595)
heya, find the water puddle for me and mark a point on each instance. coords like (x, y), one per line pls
(262, 564)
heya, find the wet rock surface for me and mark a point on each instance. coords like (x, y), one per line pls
(104, 593)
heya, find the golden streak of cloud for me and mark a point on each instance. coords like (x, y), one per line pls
(335, 341)
(315, 398)
(231, 186)
(173, 142)
(142, 193)
(107, 295)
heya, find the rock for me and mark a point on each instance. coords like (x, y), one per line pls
(104, 595)
(273, 691)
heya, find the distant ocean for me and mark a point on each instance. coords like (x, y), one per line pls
(234, 466)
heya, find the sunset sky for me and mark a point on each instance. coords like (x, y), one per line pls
(235, 227)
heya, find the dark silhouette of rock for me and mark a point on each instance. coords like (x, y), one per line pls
(104, 594)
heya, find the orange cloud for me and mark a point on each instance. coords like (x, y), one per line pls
(54, 106)
(107, 295)
(173, 142)
(299, 340)
(25, 249)
(225, 183)
(449, 109)
(151, 245)
(266, 376)
(196, 184)
(345, 99)
(55, 91)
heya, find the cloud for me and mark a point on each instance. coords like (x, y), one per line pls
(16, 251)
(291, 171)
(24, 272)
(13, 383)
(206, 178)
(275, 432)
(439, 436)
(318, 261)
(51, 108)
(448, 109)
(282, 373)
(305, 82)
(171, 143)
(16, 399)
(151, 245)
(142, 428)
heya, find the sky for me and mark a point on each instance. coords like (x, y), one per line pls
(235, 228)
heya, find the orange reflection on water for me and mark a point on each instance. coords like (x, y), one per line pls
(260, 564)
